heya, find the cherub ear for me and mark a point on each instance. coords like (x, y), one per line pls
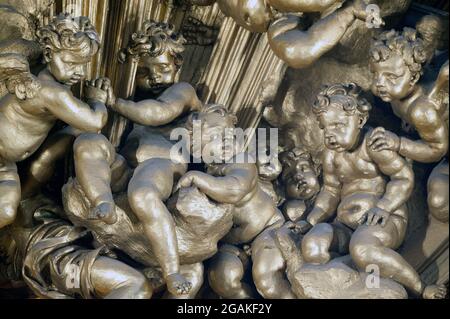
(48, 55)
(363, 120)
(415, 78)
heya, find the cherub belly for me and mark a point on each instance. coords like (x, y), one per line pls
(153, 146)
(253, 218)
(16, 146)
(374, 186)
(21, 134)
(352, 209)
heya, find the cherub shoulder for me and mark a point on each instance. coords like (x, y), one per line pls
(423, 112)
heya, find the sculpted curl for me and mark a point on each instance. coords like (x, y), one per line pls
(406, 44)
(68, 33)
(349, 96)
(155, 39)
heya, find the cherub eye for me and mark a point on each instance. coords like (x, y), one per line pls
(339, 125)
(392, 77)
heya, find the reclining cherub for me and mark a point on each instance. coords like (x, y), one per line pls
(257, 15)
(397, 60)
(287, 36)
(34, 104)
(366, 188)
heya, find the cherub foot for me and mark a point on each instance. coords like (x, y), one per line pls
(105, 212)
(434, 292)
(178, 285)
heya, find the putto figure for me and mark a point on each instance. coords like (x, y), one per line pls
(298, 182)
(255, 215)
(300, 47)
(30, 110)
(256, 15)
(147, 149)
(397, 60)
(355, 186)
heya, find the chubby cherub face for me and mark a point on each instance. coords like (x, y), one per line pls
(300, 178)
(392, 79)
(67, 67)
(341, 128)
(254, 15)
(218, 140)
(156, 73)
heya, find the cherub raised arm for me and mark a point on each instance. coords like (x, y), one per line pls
(256, 15)
(33, 105)
(366, 189)
(299, 48)
(397, 60)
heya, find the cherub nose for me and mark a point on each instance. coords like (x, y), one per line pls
(80, 72)
(380, 82)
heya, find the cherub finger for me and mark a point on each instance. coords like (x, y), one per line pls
(376, 137)
(370, 217)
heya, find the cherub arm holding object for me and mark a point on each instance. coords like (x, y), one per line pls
(300, 48)
(230, 188)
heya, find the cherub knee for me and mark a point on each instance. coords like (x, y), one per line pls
(438, 203)
(140, 197)
(93, 146)
(8, 213)
(316, 244)
(225, 275)
(265, 282)
(9, 201)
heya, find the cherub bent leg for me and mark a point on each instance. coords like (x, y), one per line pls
(94, 155)
(226, 271)
(149, 187)
(323, 239)
(438, 202)
(374, 245)
(112, 279)
(269, 268)
(9, 192)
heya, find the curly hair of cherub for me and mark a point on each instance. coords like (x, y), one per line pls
(155, 39)
(406, 43)
(349, 96)
(296, 153)
(65, 32)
